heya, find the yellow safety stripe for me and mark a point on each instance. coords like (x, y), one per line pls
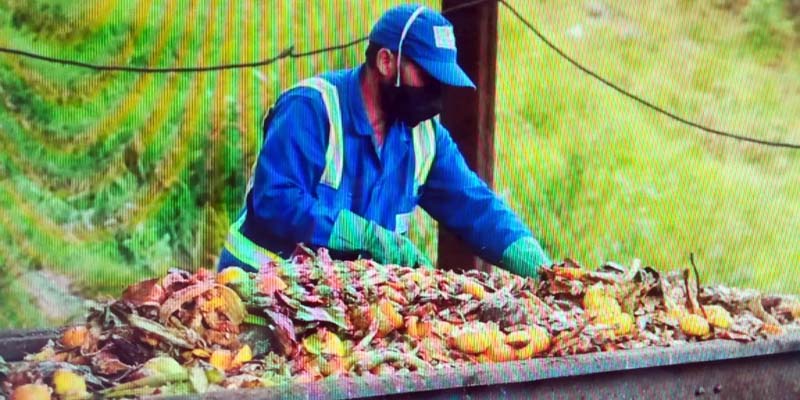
(424, 136)
(334, 159)
(245, 250)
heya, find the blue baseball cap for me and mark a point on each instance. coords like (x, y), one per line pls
(426, 37)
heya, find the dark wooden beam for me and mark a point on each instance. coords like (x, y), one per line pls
(469, 114)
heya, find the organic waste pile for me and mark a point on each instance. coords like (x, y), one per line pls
(312, 317)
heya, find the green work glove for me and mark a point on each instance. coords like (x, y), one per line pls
(524, 257)
(353, 233)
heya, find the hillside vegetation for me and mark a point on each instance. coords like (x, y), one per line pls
(111, 177)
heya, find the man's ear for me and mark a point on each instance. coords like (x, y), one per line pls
(386, 63)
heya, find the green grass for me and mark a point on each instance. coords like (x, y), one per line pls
(108, 178)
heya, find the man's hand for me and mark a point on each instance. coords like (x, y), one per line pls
(524, 257)
(353, 233)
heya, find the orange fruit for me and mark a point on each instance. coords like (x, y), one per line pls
(418, 329)
(771, 329)
(474, 338)
(31, 391)
(498, 350)
(475, 289)
(74, 336)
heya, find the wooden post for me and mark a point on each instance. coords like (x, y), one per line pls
(469, 114)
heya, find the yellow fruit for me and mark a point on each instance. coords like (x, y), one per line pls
(31, 391)
(202, 353)
(599, 300)
(74, 336)
(475, 289)
(68, 384)
(676, 313)
(796, 310)
(244, 355)
(325, 342)
(540, 342)
(694, 325)
(335, 365)
(232, 274)
(718, 316)
(388, 318)
(473, 339)
(221, 359)
(418, 329)
(501, 352)
(624, 324)
(518, 339)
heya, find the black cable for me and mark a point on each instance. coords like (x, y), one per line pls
(639, 99)
(286, 53)
(147, 70)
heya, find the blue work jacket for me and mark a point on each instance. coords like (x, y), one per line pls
(287, 204)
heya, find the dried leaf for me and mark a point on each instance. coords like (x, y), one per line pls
(172, 337)
(233, 307)
(106, 363)
(145, 293)
(179, 298)
(284, 331)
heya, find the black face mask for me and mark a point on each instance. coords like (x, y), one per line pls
(409, 104)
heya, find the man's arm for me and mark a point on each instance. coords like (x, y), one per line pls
(282, 199)
(456, 197)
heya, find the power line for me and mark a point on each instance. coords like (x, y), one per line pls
(639, 99)
(289, 52)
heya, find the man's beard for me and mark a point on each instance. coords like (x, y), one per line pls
(409, 104)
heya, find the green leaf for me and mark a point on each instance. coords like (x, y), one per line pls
(198, 379)
(255, 320)
(333, 315)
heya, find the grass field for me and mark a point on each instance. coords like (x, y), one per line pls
(106, 178)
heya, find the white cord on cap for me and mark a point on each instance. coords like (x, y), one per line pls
(403, 38)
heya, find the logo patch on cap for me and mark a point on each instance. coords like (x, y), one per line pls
(443, 35)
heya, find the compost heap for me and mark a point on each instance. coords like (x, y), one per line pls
(313, 317)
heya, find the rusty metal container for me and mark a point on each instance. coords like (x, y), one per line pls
(764, 369)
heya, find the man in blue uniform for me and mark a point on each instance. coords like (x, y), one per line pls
(348, 155)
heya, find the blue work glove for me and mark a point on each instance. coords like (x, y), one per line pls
(353, 233)
(524, 257)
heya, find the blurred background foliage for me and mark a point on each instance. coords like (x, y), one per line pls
(111, 177)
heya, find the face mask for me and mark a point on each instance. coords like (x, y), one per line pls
(409, 104)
